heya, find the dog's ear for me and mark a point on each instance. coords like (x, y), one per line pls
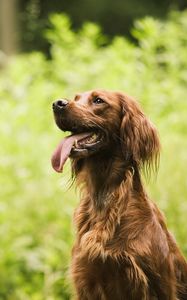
(139, 137)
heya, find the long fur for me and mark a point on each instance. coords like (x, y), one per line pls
(123, 250)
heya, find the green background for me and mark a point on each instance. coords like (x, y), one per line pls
(37, 204)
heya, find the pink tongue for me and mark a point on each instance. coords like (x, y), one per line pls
(63, 150)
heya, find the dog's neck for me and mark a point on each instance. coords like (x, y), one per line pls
(102, 176)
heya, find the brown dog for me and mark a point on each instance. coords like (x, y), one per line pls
(123, 249)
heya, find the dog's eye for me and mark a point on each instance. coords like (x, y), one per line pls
(98, 101)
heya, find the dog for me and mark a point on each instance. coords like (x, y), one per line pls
(123, 250)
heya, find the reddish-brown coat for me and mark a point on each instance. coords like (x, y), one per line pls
(123, 250)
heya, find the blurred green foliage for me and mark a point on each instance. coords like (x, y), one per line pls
(115, 17)
(36, 205)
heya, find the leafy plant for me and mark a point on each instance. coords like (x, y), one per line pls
(36, 205)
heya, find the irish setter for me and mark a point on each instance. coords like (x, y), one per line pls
(123, 250)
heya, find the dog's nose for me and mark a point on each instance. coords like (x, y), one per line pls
(59, 104)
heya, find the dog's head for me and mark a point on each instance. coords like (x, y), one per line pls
(100, 121)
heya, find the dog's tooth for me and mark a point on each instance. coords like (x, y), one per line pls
(92, 138)
(76, 143)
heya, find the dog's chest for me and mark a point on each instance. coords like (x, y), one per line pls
(108, 279)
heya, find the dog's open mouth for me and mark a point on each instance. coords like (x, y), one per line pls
(75, 145)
